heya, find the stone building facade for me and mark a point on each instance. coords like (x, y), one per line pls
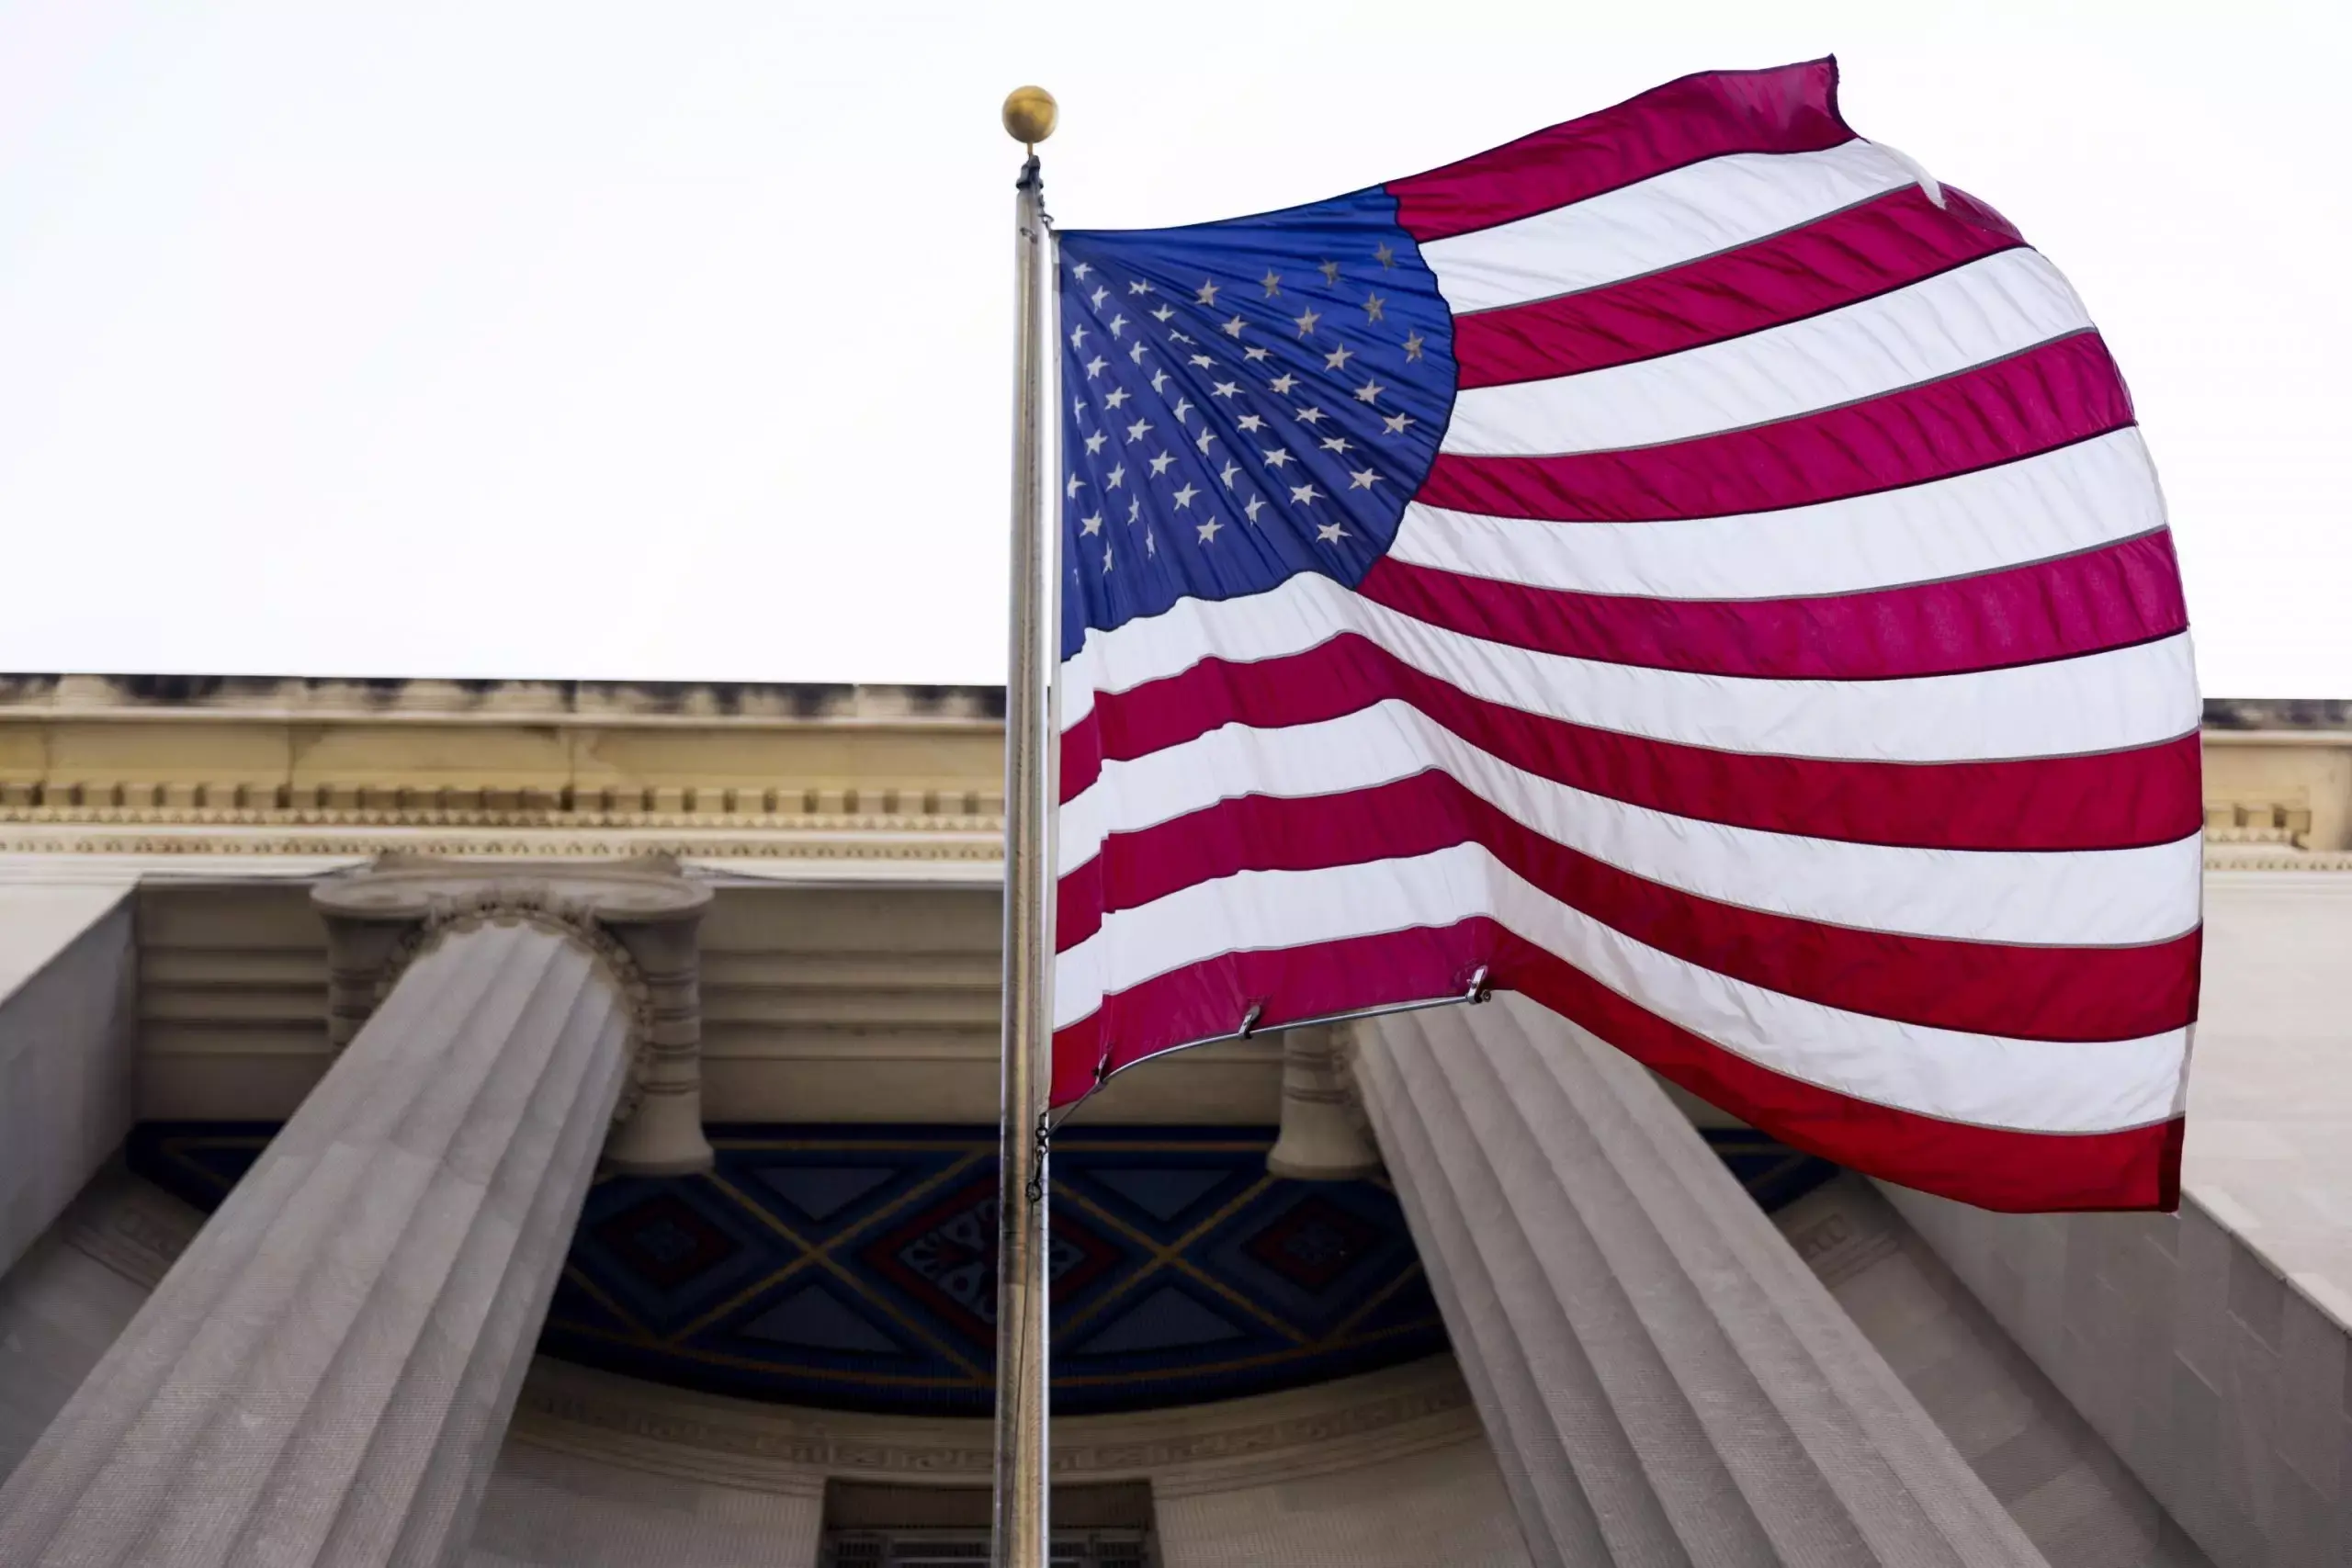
(535, 1123)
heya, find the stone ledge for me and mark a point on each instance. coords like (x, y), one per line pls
(98, 765)
(1339, 1426)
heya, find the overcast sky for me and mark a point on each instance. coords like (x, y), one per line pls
(670, 341)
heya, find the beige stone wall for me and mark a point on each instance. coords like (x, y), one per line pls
(546, 1509)
(819, 1004)
(1342, 1476)
(1446, 1506)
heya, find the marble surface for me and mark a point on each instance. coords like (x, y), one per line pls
(68, 1022)
(61, 1307)
(2066, 1488)
(2212, 1348)
(1663, 1380)
(38, 920)
(2269, 1150)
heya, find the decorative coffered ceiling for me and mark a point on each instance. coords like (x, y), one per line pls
(854, 1267)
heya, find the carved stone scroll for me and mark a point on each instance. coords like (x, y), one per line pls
(639, 921)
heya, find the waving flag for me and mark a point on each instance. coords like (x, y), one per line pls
(1685, 566)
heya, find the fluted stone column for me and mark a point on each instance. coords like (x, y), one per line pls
(325, 1375)
(1664, 1382)
(1319, 1140)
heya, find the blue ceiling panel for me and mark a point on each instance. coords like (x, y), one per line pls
(854, 1267)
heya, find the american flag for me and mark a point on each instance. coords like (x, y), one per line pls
(1685, 566)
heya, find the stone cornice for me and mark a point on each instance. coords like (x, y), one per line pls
(972, 859)
(2306, 714)
(858, 775)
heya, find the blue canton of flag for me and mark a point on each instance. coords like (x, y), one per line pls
(1248, 400)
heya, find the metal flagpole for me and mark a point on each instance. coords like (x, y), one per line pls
(1021, 1539)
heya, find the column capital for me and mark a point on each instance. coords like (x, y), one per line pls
(638, 919)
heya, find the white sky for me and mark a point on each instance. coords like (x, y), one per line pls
(671, 341)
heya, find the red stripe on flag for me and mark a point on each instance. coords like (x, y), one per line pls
(2115, 800)
(2020, 992)
(1790, 109)
(2048, 397)
(1991, 1167)
(2110, 597)
(1884, 245)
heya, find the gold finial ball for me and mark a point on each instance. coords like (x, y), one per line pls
(1029, 114)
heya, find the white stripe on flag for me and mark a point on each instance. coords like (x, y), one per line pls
(2076, 498)
(2079, 897)
(1661, 221)
(1988, 310)
(2077, 1086)
(2100, 701)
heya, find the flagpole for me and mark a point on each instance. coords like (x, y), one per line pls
(1021, 1539)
